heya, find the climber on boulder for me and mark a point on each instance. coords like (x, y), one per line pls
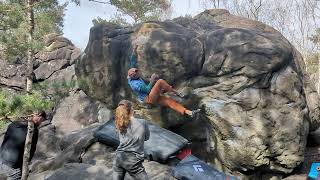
(153, 92)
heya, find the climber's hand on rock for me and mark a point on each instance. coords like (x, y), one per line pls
(154, 77)
(134, 50)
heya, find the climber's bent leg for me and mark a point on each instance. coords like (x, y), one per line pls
(169, 102)
(161, 85)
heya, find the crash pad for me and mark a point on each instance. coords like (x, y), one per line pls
(161, 145)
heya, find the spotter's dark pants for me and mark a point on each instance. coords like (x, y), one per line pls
(131, 163)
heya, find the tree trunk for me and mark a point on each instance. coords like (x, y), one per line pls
(318, 85)
(26, 154)
(30, 21)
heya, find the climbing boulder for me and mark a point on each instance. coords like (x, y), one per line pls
(258, 102)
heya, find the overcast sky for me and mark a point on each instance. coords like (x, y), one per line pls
(78, 19)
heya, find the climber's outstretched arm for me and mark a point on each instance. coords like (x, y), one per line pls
(134, 58)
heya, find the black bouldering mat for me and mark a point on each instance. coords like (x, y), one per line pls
(107, 134)
(161, 145)
(192, 168)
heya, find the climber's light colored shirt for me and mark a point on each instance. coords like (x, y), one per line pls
(133, 140)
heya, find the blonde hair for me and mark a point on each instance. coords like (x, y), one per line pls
(123, 115)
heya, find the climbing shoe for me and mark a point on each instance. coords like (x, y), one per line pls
(195, 112)
(180, 94)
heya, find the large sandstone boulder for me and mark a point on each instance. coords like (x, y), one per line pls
(54, 64)
(89, 163)
(99, 154)
(77, 111)
(47, 146)
(72, 115)
(259, 104)
(59, 53)
(64, 138)
(76, 171)
(71, 146)
(102, 155)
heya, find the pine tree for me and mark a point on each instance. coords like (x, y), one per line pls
(23, 23)
(138, 10)
(142, 10)
(48, 18)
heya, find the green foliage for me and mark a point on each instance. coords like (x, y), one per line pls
(11, 15)
(141, 10)
(138, 10)
(20, 105)
(43, 97)
(83, 83)
(117, 19)
(62, 89)
(34, 102)
(3, 124)
(48, 16)
(56, 90)
(13, 106)
(98, 21)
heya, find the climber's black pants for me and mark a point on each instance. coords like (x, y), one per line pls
(10, 173)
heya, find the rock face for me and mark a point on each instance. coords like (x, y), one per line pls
(77, 111)
(47, 143)
(73, 113)
(101, 155)
(12, 75)
(76, 171)
(71, 147)
(59, 53)
(55, 62)
(258, 101)
(58, 144)
(86, 159)
(54, 66)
